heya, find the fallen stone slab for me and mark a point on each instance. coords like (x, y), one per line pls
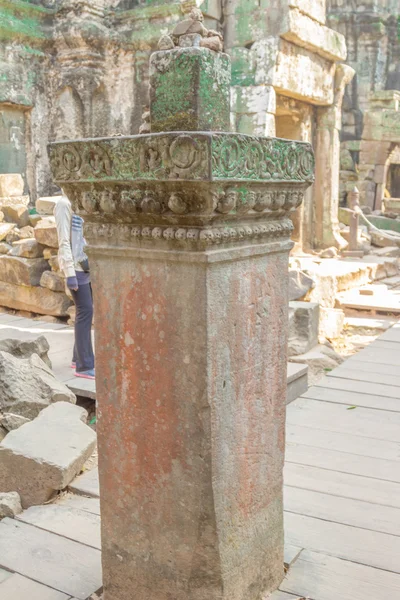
(22, 271)
(11, 184)
(28, 248)
(45, 455)
(25, 348)
(27, 386)
(34, 299)
(10, 505)
(46, 232)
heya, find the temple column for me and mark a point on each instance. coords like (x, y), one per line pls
(327, 156)
(189, 237)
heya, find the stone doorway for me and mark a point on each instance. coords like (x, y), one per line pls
(13, 141)
(393, 184)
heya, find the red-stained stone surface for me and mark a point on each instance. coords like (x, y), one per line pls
(191, 363)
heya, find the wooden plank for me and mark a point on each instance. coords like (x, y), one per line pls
(291, 553)
(334, 417)
(344, 462)
(358, 364)
(370, 548)
(86, 484)
(392, 335)
(345, 485)
(72, 523)
(362, 387)
(352, 398)
(49, 559)
(322, 577)
(282, 596)
(355, 513)
(379, 356)
(343, 442)
(349, 372)
(91, 505)
(17, 587)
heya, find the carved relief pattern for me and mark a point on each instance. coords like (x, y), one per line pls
(232, 201)
(273, 230)
(246, 157)
(167, 157)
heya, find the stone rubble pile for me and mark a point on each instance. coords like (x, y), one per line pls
(30, 277)
(44, 439)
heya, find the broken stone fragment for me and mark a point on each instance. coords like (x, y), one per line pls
(25, 349)
(5, 229)
(166, 43)
(10, 505)
(10, 422)
(46, 232)
(17, 213)
(5, 248)
(299, 284)
(27, 386)
(190, 40)
(11, 184)
(329, 253)
(27, 248)
(22, 271)
(46, 454)
(212, 43)
(53, 281)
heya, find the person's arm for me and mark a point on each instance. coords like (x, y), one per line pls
(63, 216)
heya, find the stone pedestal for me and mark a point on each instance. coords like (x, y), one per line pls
(189, 238)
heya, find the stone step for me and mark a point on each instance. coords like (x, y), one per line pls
(17, 587)
(297, 381)
(86, 484)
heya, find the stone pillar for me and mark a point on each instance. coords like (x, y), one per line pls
(189, 238)
(328, 165)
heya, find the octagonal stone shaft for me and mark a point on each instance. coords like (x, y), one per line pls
(191, 384)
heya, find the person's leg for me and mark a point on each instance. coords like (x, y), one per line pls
(83, 326)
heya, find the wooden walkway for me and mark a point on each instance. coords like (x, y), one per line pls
(342, 499)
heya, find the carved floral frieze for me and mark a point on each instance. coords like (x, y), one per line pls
(183, 156)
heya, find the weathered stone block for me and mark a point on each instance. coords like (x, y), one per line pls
(331, 323)
(14, 200)
(318, 84)
(53, 281)
(316, 9)
(189, 90)
(46, 232)
(299, 284)
(17, 214)
(10, 421)
(11, 184)
(27, 248)
(22, 271)
(304, 31)
(46, 204)
(303, 327)
(5, 248)
(45, 455)
(35, 299)
(5, 229)
(10, 505)
(25, 349)
(27, 386)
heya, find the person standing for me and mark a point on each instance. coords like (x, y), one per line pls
(75, 266)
